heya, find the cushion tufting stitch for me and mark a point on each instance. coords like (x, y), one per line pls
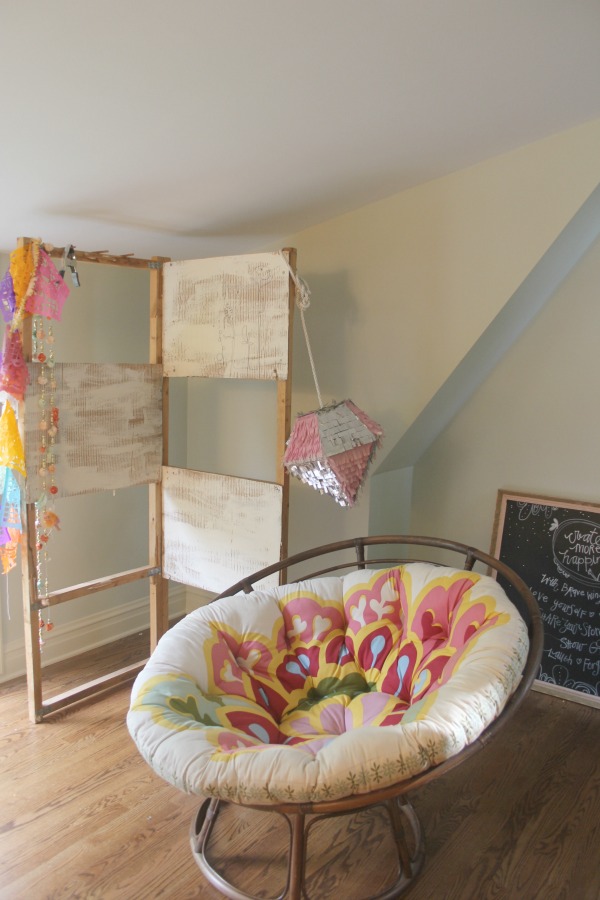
(328, 687)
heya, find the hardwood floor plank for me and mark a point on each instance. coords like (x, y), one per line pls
(518, 787)
(82, 816)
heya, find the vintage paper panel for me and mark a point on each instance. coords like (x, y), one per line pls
(109, 430)
(217, 528)
(226, 317)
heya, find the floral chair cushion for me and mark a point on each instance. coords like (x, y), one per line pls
(328, 687)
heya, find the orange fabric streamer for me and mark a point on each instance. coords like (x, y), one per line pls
(23, 269)
(11, 446)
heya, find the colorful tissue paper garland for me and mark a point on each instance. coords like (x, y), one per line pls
(7, 298)
(32, 287)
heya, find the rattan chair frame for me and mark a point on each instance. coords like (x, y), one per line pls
(404, 822)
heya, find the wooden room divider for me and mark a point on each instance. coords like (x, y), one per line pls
(229, 317)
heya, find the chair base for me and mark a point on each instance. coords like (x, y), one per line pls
(405, 828)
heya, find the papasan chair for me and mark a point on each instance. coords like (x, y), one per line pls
(343, 689)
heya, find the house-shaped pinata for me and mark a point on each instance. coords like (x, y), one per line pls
(331, 449)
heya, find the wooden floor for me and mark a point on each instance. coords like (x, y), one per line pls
(83, 816)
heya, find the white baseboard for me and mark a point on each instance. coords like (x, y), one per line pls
(90, 632)
(564, 693)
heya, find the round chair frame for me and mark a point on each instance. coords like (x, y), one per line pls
(405, 826)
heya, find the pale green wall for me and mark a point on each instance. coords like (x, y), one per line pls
(232, 427)
(531, 427)
(402, 289)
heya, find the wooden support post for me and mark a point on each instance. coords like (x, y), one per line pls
(86, 588)
(284, 415)
(297, 857)
(31, 617)
(33, 660)
(159, 588)
(127, 260)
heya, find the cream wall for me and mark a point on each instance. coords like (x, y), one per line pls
(403, 288)
(531, 427)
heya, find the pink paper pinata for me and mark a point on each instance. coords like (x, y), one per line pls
(331, 449)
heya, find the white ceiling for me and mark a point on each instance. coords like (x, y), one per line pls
(201, 127)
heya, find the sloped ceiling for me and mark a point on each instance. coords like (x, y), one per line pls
(205, 127)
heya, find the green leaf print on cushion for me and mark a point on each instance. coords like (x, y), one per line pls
(176, 702)
(351, 685)
(189, 708)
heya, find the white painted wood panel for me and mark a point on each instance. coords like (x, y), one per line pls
(218, 528)
(226, 317)
(110, 427)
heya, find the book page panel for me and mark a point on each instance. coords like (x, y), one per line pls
(226, 317)
(218, 528)
(109, 427)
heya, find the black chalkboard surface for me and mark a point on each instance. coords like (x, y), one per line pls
(554, 545)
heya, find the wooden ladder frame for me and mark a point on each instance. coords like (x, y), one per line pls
(159, 598)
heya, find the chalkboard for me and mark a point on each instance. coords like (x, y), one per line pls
(554, 545)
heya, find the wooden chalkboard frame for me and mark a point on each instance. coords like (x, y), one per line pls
(554, 545)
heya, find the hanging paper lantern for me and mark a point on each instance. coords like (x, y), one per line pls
(331, 449)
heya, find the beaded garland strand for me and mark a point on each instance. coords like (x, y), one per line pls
(45, 516)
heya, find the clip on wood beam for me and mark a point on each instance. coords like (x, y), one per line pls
(69, 261)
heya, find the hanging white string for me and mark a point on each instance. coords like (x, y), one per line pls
(303, 302)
